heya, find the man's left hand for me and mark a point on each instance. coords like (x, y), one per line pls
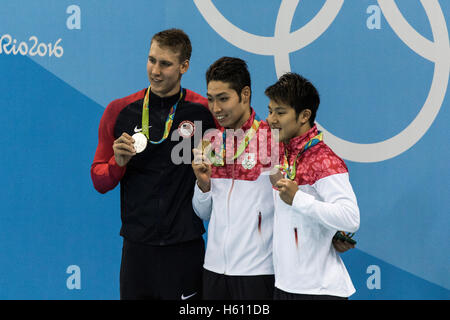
(287, 189)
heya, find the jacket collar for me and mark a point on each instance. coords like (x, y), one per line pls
(296, 144)
(248, 124)
(166, 102)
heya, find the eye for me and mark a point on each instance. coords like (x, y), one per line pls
(165, 64)
(151, 60)
(223, 99)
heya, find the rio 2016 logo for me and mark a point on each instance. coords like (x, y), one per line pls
(8, 46)
(284, 42)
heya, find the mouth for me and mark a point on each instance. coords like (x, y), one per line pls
(220, 117)
(156, 81)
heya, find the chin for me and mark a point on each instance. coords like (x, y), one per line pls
(223, 123)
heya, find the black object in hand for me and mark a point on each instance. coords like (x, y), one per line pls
(344, 237)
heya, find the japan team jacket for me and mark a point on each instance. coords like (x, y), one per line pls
(305, 260)
(239, 208)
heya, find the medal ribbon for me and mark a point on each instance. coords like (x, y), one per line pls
(169, 120)
(218, 160)
(290, 171)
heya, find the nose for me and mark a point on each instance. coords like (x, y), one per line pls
(155, 69)
(215, 108)
(271, 119)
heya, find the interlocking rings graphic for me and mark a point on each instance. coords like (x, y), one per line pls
(284, 42)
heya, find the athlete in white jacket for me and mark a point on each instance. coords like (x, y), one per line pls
(234, 193)
(312, 201)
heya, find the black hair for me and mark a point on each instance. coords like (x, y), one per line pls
(294, 90)
(233, 71)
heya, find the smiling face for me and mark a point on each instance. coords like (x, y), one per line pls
(230, 110)
(284, 118)
(165, 70)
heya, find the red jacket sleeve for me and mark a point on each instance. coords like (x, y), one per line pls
(105, 172)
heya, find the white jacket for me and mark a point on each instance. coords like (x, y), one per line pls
(240, 230)
(305, 260)
(239, 208)
(312, 266)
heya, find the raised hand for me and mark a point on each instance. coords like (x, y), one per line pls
(124, 149)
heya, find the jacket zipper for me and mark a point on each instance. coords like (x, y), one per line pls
(228, 220)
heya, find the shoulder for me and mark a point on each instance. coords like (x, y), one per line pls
(195, 98)
(115, 106)
(320, 162)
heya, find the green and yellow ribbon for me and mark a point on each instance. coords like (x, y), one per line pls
(290, 170)
(169, 120)
(218, 159)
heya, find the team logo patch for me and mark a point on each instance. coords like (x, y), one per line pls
(186, 129)
(249, 161)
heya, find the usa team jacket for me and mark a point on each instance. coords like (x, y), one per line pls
(239, 208)
(305, 261)
(155, 191)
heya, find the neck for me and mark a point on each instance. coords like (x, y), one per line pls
(242, 120)
(301, 131)
(170, 93)
(304, 129)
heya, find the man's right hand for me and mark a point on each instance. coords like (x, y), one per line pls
(202, 170)
(124, 149)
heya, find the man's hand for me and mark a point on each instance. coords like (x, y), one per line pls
(202, 170)
(275, 175)
(342, 246)
(287, 189)
(124, 149)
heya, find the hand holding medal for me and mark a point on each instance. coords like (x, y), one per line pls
(202, 166)
(124, 149)
(287, 189)
(275, 175)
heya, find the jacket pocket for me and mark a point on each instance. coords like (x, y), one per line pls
(295, 234)
(259, 222)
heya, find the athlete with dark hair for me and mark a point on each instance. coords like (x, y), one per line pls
(312, 202)
(163, 248)
(233, 193)
(234, 190)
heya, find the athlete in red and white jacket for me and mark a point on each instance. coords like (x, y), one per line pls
(235, 194)
(312, 202)
(239, 231)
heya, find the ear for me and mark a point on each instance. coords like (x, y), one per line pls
(245, 94)
(304, 116)
(184, 66)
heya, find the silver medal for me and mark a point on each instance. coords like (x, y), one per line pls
(140, 142)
